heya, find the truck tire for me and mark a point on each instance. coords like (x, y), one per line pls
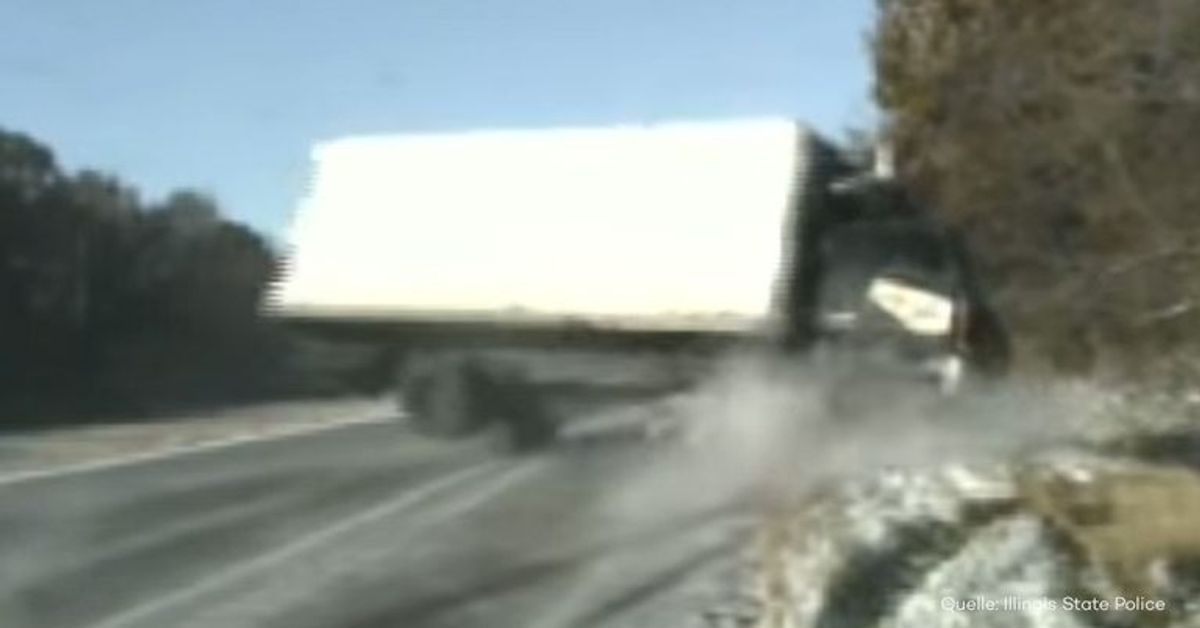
(526, 421)
(531, 429)
(440, 396)
(451, 396)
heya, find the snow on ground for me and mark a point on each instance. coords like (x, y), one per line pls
(1010, 562)
(918, 548)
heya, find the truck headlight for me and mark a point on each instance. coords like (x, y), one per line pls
(920, 311)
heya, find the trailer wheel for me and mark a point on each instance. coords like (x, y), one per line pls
(525, 419)
(532, 428)
(440, 397)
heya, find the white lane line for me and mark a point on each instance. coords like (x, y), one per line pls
(257, 598)
(182, 450)
(299, 546)
(484, 494)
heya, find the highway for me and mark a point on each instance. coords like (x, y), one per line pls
(368, 525)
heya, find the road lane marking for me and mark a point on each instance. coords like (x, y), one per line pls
(482, 495)
(315, 539)
(182, 450)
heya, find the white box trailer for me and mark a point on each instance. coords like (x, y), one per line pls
(501, 264)
(665, 227)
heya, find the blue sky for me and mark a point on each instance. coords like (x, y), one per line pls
(228, 95)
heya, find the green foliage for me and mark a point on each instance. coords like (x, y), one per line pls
(108, 302)
(1059, 135)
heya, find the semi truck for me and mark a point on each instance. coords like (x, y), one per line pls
(508, 274)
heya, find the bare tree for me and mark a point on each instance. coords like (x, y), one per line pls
(1058, 134)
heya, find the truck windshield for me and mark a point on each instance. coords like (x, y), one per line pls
(854, 255)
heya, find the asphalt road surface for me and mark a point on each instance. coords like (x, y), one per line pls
(366, 526)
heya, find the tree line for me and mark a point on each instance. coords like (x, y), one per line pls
(1059, 135)
(109, 303)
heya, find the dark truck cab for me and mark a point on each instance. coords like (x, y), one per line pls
(898, 312)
